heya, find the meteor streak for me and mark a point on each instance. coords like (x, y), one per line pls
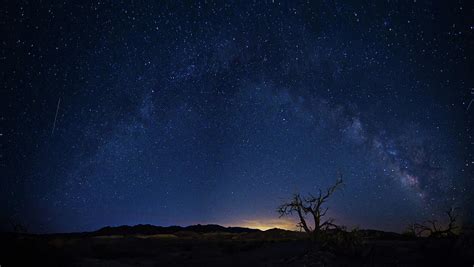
(56, 116)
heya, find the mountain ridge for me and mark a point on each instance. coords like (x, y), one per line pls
(149, 229)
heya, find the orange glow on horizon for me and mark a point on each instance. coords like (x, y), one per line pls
(267, 223)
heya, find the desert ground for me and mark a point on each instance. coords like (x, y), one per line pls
(227, 247)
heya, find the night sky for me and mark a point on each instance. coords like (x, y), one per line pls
(202, 112)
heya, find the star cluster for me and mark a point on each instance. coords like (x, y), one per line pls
(206, 112)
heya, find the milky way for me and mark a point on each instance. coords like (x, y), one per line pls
(210, 113)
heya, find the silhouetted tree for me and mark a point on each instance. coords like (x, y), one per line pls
(312, 205)
(433, 229)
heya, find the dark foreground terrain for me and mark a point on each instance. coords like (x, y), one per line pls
(218, 246)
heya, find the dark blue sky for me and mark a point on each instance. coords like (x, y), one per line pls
(204, 112)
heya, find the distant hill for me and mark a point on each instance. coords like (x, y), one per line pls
(199, 230)
(148, 229)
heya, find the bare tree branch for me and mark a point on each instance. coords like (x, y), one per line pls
(434, 229)
(311, 205)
